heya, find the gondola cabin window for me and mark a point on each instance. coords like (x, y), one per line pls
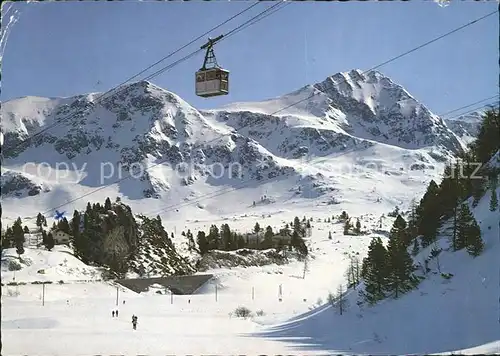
(212, 82)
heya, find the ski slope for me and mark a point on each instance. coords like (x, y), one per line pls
(441, 316)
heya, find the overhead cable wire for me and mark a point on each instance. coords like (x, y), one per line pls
(113, 91)
(256, 18)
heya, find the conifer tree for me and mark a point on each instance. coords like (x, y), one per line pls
(475, 245)
(268, 237)
(465, 221)
(493, 200)
(375, 271)
(202, 242)
(428, 213)
(18, 232)
(44, 238)
(107, 204)
(40, 220)
(225, 233)
(400, 276)
(256, 228)
(8, 238)
(63, 225)
(488, 137)
(297, 226)
(357, 230)
(414, 250)
(347, 226)
(190, 239)
(50, 242)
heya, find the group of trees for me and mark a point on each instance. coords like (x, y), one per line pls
(15, 236)
(226, 239)
(349, 228)
(389, 271)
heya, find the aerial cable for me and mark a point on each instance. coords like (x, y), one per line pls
(159, 72)
(276, 7)
(479, 108)
(113, 91)
(466, 106)
(401, 55)
(244, 126)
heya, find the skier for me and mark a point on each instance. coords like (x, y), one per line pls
(113, 313)
(116, 313)
(134, 322)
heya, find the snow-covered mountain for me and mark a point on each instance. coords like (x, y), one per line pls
(350, 121)
(466, 127)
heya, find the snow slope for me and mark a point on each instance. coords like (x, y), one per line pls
(440, 316)
(187, 162)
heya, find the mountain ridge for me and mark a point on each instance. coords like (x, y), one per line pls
(143, 130)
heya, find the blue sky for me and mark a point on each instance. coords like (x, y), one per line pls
(69, 48)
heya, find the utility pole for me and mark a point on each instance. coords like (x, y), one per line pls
(43, 294)
(116, 295)
(171, 297)
(253, 293)
(216, 292)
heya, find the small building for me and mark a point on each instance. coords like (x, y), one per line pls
(60, 237)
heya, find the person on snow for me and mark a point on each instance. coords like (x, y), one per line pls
(113, 313)
(134, 322)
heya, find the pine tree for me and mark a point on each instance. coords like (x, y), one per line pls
(63, 225)
(8, 238)
(357, 230)
(414, 250)
(400, 276)
(488, 137)
(256, 228)
(297, 226)
(493, 200)
(39, 221)
(44, 238)
(191, 244)
(225, 233)
(213, 238)
(50, 242)
(475, 245)
(295, 240)
(465, 221)
(344, 216)
(268, 237)
(26, 230)
(428, 213)
(18, 232)
(375, 271)
(202, 242)
(107, 204)
(347, 226)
